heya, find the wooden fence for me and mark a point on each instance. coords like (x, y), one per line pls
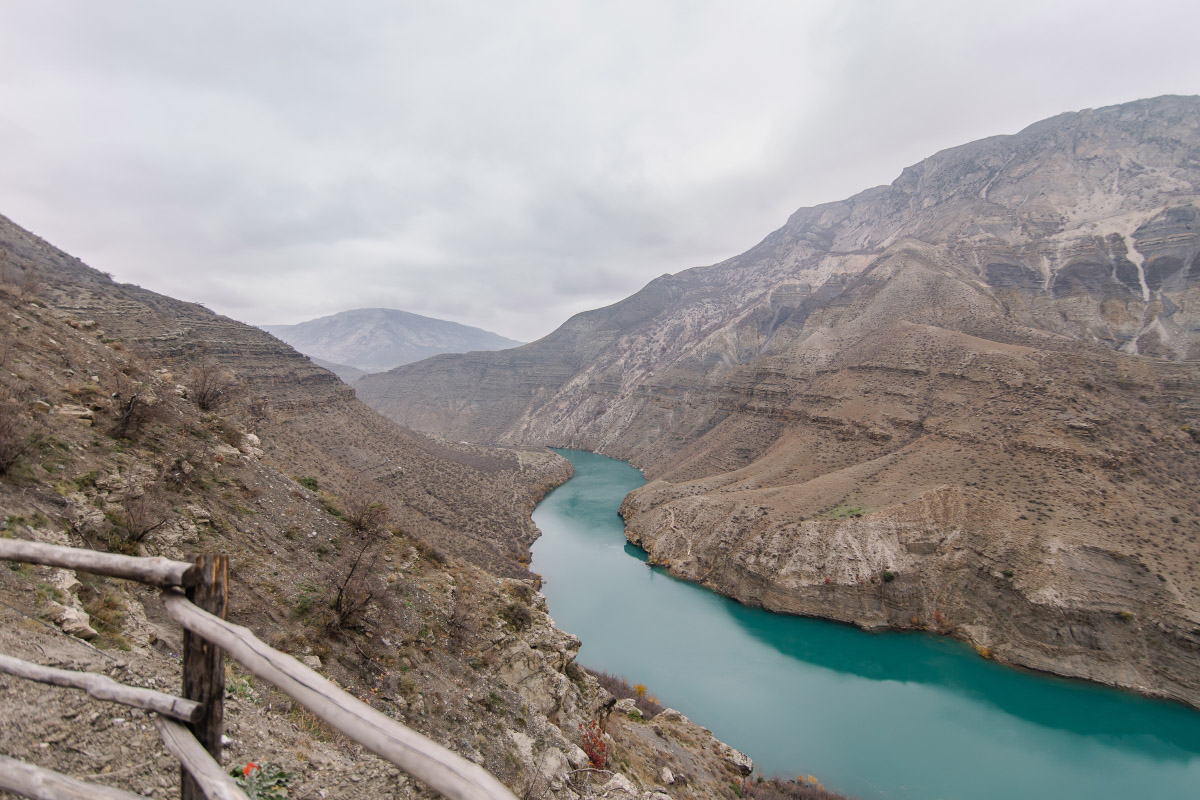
(191, 726)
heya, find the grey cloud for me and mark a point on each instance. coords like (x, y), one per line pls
(507, 165)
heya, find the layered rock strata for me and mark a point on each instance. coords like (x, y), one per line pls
(979, 380)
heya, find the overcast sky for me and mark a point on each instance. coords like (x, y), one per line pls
(507, 164)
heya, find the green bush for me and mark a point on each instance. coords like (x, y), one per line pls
(261, 781)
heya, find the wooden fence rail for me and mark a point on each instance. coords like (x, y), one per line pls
(206, 637)
(159, 572)
(27, 780)
(102, 687)
(443, 769)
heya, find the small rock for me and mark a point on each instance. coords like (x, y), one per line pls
(78, 413)
(312, 662)
(670, 715)
(619, 786)
(577, 758)
(73, 621)
(224, 452)
(627, 706)
(665, 776)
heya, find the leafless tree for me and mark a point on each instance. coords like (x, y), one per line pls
(365, 515)
(144, 514)
(211, 386)
(15, 438)
(355, 591)
(134, 406)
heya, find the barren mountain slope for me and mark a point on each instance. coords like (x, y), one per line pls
(963, 401)
(110, 439)
(468, 501)
(376, 339)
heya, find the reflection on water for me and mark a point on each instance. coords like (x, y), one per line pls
(877, 715)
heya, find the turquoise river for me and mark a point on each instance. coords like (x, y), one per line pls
(896, 715)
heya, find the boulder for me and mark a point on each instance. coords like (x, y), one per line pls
(618, 788)
(73, 621)
(627, 706)
(735, 758)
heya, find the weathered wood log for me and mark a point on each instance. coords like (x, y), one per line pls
(204, 665)
(26, 780)
(206, 773)
(443, 770)
(155, 571)
(103, 687)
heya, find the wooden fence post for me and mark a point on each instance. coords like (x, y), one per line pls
(204, 666)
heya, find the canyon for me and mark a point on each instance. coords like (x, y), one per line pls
(965, 402)
(393, 563)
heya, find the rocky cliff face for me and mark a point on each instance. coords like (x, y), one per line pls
(964, 402)
(377, 339)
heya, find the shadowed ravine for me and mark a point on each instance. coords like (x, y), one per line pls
(877, 715)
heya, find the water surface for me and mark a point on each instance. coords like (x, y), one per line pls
(896, 715)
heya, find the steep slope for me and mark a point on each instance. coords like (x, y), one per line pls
(347, 374)
(133, 422)
(963, 401)
(377, 339)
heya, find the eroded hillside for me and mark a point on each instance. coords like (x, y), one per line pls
(391, 563)
(963, 402)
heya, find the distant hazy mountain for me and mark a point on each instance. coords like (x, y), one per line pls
(377, 339)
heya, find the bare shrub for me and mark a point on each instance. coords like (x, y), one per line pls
(363, 514)
(210, 386)
(354, 591)
(29, 286)
(15, 438)
(134, 407)
(22, 283)
(140, 516)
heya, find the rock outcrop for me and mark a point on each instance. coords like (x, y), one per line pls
(966, 402)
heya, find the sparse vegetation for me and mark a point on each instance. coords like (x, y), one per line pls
(620, 688)
(845, 511)
(804, 787)
(359, 586)
(591, 741)
(363, 514)
(210, 386)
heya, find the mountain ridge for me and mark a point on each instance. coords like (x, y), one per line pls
(378, 339)
(986, 368)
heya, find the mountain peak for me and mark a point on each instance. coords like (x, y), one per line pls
(378, 339)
